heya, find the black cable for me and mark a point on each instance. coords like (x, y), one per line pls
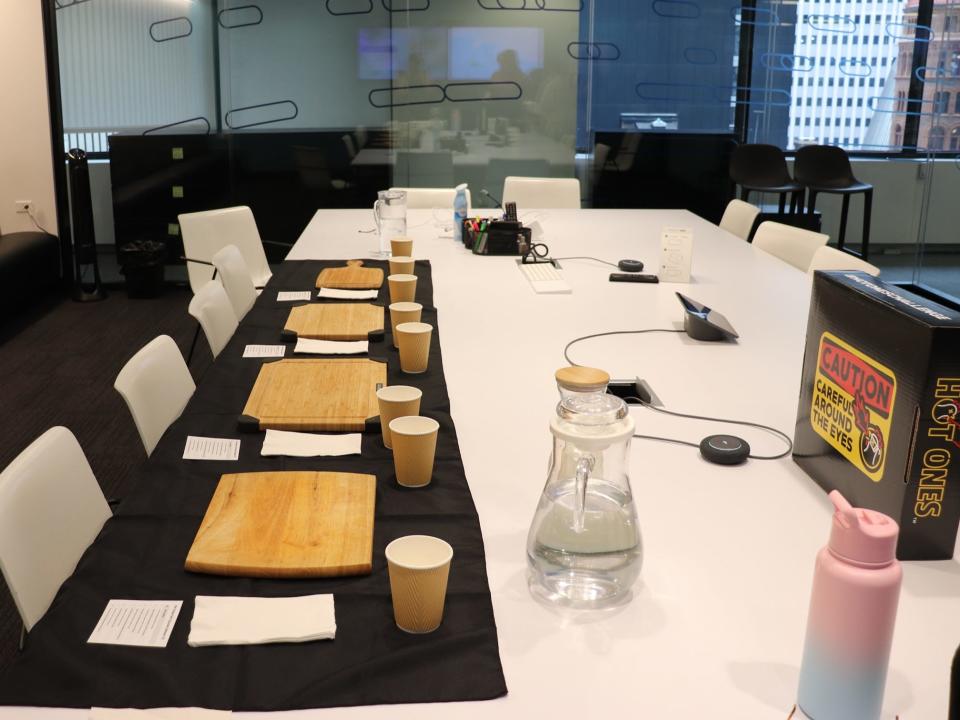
(40, 227)
(566, 353)
(746, 423)
(587, 257)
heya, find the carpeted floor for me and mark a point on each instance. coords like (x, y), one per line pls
(58, 361)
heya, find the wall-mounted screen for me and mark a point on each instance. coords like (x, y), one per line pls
(480, 53)
(414, 56)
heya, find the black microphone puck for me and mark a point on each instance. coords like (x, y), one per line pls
(724, 449)
(630, 266)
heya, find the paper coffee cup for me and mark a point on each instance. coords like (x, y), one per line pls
(401, 265)
(413, 339)
(402, 246)
(414, 440)
(419, 566)
(403, 288)
(403, 312)
(396, 401)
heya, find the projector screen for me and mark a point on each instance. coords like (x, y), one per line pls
(474, 50)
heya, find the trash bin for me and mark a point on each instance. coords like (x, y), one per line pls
(141, 263)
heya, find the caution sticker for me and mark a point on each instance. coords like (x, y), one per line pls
(853, 404)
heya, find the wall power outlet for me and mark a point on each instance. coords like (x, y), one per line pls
(24, 206)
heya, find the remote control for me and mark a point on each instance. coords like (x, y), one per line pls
(633, 277)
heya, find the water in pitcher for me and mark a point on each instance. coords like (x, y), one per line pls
(584, 548)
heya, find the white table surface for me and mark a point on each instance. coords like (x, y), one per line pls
(716, 627)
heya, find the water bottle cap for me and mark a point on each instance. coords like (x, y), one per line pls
(861, 535)
(461, 186)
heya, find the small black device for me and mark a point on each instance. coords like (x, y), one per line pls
(630, 266)
(633, 278)
(496, 237)
(724, 449)
(702, 323)
(510, 211)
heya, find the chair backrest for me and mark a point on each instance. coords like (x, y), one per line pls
(791, 244)
(757, 165)
(156, 385)
(206, 232)
(432, 198)
(548, 193)
(828, 258)
(823, 165)
(51, 509)
(738, 218)
(234, 274)
(213, 310)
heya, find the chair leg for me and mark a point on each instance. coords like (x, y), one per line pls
(844, 210)
(812, 204)
(867, 208)
(23, 637)
(744, 194)
(193, 344)
(783, 203)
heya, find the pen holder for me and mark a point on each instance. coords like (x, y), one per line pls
(494, 237)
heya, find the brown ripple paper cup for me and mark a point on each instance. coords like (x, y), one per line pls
(403, 288)
(396, 401)
(402, 246)
(413, 339)
(419, 566)
(414, 441)
(403, 312)
(401, 265)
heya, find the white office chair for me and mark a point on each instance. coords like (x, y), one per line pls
(206, 232)
(235, 277)
(432, 198)
(791, 244)
(213, 310)
(51, 509)
(828, 258)
(738, 218)
(156, 385)
(542, 193)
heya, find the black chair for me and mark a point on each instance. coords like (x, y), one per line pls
(763, 168)
(826, 169)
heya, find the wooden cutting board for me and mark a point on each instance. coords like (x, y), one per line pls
(352, 277)
(287, 525)
(335, 321)
(318, 394)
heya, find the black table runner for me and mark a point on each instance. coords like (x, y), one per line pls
(141, 551)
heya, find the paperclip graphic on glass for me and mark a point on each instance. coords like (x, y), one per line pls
(899, 106)
(239, 17)
(162, 27)
(715, 94)
(593, 51)
(64, 4)
(676, 9)
(510, 91)
(855, 67)
(785, 62)
(158, 128)
(700, 56)
(758, 17)
(355, 7)
(407, 5)
(545, 5)
(833, 23)
(413, 92)
(232, 126)
(404, 96)
(909, 31)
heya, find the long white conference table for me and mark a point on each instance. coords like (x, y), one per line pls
(716, 626)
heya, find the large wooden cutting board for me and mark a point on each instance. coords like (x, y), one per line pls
(352, 277)
(287, 525)
(335, 321)
(319, 394)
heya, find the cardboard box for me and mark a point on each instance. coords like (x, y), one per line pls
(879, 412)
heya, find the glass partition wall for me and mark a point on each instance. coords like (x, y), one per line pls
(290, 105)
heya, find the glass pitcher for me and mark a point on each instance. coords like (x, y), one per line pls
(584, 548)
(390, 215)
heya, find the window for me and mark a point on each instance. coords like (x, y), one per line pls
(955, 139)
(941, 102)
(936, 139)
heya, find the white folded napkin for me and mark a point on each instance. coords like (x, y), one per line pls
(257, 620)
(334, 294)
(331, 347)
(157, 714)
(298, 444)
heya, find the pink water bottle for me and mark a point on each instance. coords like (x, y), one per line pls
(853, 608)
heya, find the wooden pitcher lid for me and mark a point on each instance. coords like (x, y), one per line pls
(582, 378)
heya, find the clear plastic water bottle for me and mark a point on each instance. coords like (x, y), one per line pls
(459, 212)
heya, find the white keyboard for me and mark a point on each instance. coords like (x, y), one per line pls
(544, 278)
